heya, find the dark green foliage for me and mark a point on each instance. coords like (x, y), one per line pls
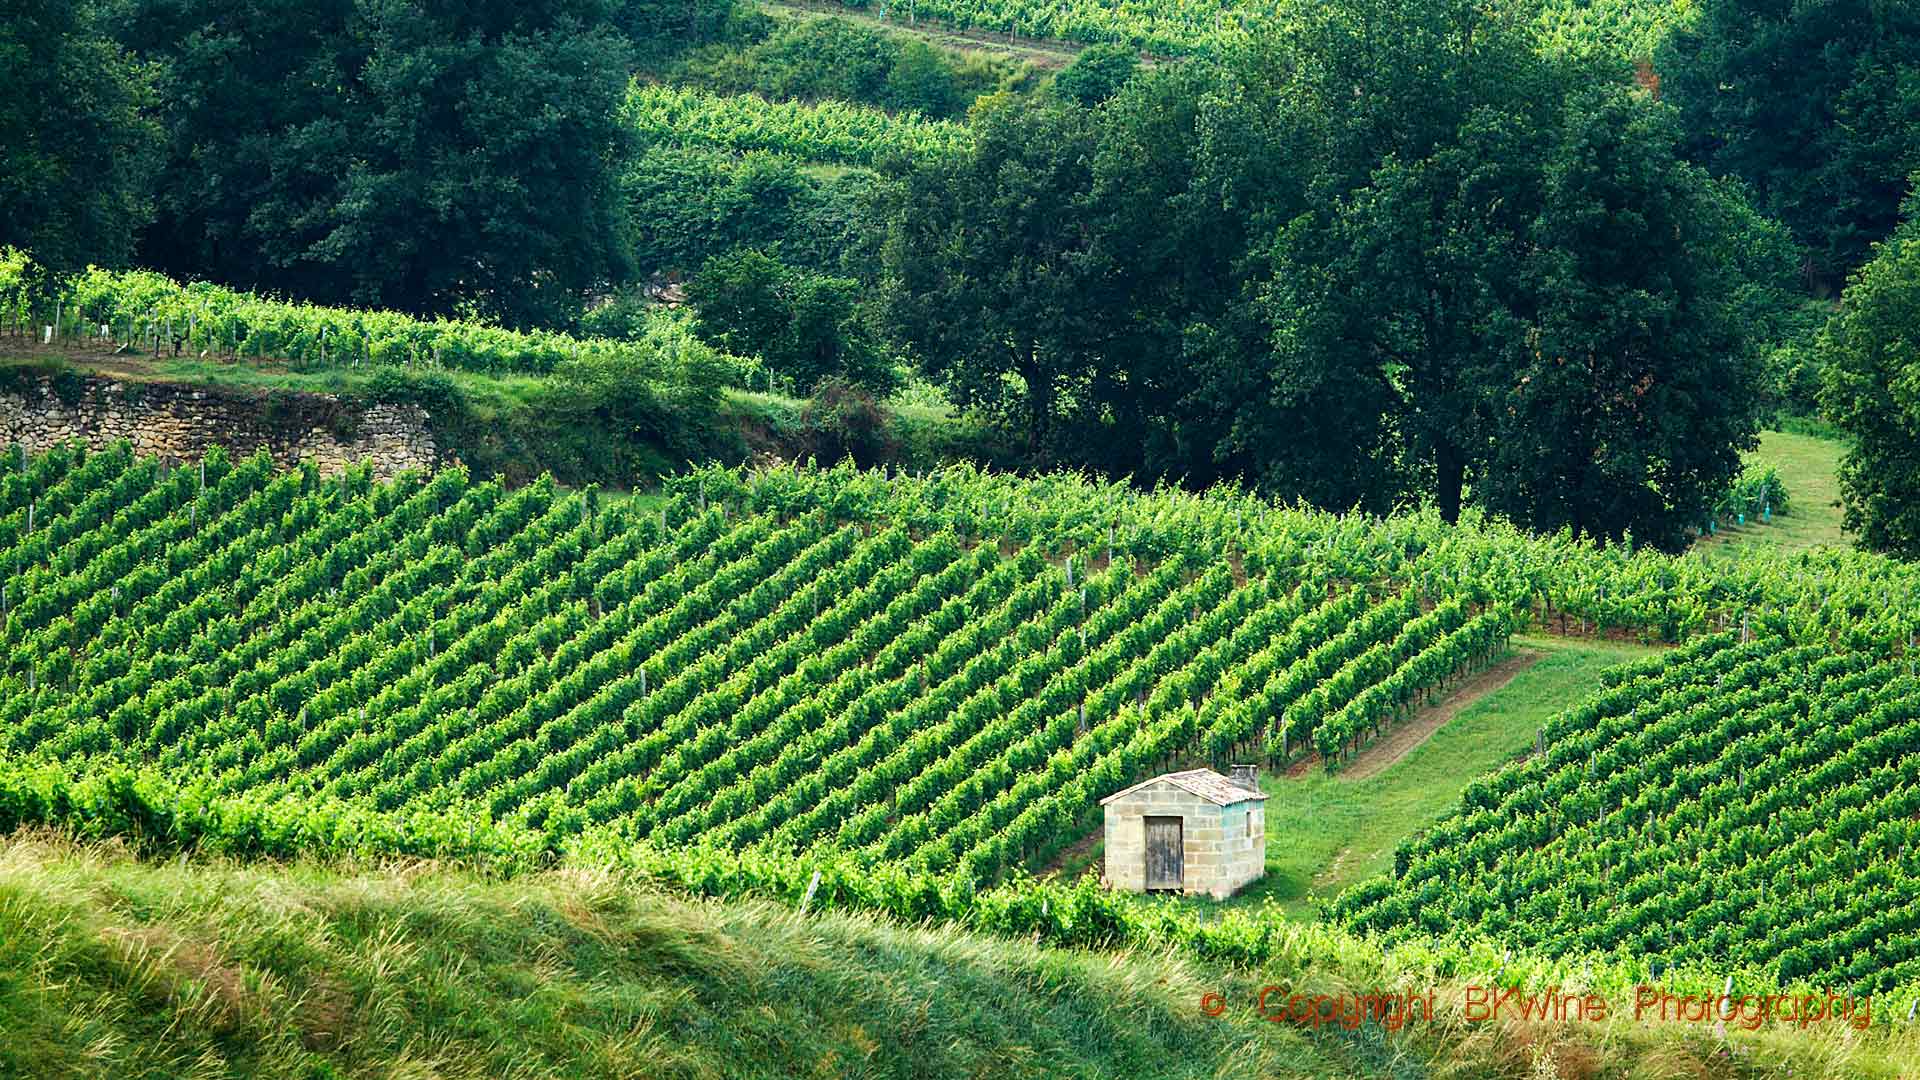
(76, 139)
(1096, 74)
(992, 270)
(457, 159)
(660, 29)
(1816, 103)
(1792, 363)
(687, 206)
(1640, 386)
(846, 422)
(1872, 391)
(1196, 169)
(1482, 279)
(807, 326)
(1563, 317)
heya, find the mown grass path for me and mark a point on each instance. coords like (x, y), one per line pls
(1326, 833)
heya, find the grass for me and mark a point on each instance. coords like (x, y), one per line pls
(1809, 465)
(117, 968)
(1327, 832)
(111, 967)
(487, 395)
(512, 425)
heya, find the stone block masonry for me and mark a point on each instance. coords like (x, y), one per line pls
(181, 422)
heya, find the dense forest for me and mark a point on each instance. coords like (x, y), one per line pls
(1556, 261)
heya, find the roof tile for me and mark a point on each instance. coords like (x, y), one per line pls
(1205, 783)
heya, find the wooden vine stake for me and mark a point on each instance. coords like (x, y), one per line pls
(812, 886)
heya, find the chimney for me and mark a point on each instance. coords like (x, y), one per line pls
(1245, 776)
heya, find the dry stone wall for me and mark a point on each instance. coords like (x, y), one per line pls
(180, 422)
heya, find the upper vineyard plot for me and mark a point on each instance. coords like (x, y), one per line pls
(825, 132)
(697, 675)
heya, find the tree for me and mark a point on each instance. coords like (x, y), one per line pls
(1198, 167)
(1816, 103)
(1871, 356)
(806, 326)
(1400, 283)
(738, 305)
(1096, 74)
(431, 159)
(991, 274)
(1639, 384)
(922, 80)
(77, 142)
(1518, 271)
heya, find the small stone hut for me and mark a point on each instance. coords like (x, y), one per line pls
(1193, 832)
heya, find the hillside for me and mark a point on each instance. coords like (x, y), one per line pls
(780, 680)
(960, 538)
(139, 970)
(923, 684)
(1753, 804)
(115, 967)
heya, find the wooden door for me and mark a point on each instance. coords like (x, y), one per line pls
(1166, 853)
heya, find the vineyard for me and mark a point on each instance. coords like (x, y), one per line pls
(918, 685)
(146, 313)
(1753, 803)
(826, 132)
(1199, 27)
(785, 681)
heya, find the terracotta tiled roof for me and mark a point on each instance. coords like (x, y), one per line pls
(1205, 783)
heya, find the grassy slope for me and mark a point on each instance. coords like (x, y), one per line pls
(1325, 833)
(1338, 831)
(1810, 467)
(115, 968)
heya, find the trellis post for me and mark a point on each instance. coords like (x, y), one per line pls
(812, 886)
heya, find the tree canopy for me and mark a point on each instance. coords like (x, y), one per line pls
(77, 141)
(431, 159)
(1397, 254)
(1872, 355)
(1816, 103)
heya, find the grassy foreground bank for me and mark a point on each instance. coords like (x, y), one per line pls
(114, 967)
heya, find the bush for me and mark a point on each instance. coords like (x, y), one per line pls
(844, 421)
(1096, 74)
(807, 327)
(1755, 490)
(1871, 372)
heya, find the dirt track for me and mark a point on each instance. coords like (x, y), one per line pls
(1399, 741)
